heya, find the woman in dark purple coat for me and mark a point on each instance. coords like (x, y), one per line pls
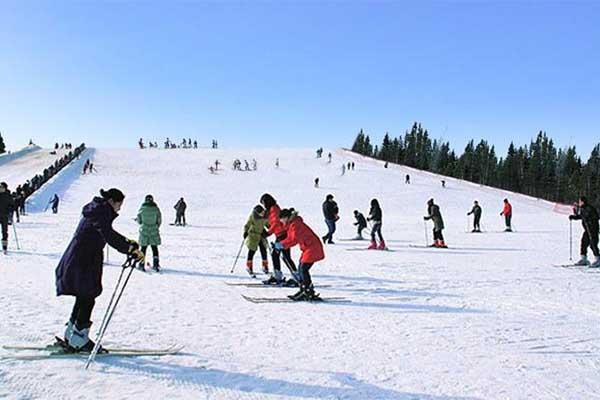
(79, 272)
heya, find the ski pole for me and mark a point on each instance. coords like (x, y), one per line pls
(570, 240)
(293, 270)
(426, 237)
(238, 256)
(112, 306)
(16, 237)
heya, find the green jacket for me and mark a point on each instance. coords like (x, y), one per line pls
(149, 219)
(254, 230)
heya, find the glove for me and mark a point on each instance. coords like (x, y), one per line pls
(501, 213)
(571, 217)
(245, 235)
(136, 253)
(265, 234)
(425, 218)
(278, 246)
(133, 243)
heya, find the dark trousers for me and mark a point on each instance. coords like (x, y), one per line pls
(54, 209)
(4, 224)
(180, 218)
(437, 235)
(82, 312)
(330, 229)
(304, 272)
(508, 219)
(263, 252)
(154, 250)
(360, 229)
(376, 229)
(17, 214)
(592, 242)
(477, 222)
(287, 258)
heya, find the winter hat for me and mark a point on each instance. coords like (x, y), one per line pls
(4, 185)
(355, 212)
(267, 200)
(258, 210)
(149, 198)
(329, 197)
(112, 194)
(430, 201)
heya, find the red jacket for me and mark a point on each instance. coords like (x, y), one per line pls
(275, 226)
(310, 244)
(507, 210)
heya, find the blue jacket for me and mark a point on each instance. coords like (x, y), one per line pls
(79, 272)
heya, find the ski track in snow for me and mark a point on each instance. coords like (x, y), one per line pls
(489, 318)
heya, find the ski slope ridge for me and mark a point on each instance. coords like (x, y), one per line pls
(489, 318)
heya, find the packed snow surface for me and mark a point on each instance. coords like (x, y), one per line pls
(488, 318)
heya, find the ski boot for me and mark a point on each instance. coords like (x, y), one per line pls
(596, 263)
(5, 247)
(382, 246)
(436, 243)
(442, 245)
(80, 342)
(358, 237)
(69, 331)
(584, 262)
(324, 239)
(265, 267)
(141, 264)
(155, 264)
(249, 268)
(372, 246)
(275, 279)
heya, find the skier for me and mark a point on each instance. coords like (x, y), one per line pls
(507, 212)
(589, 219)
(79, 272)
(376, 216)
(180, 208)
(298, 233)
(277, 228)
(317, 182)
(255, 238)
(329, 157)
(54, 202)
(353, 165)
(6, 208)
(476, 211)
(349, 166)
(343, 169)
(361, 224)
(277, 163)
(443, 183)
(86, 166)
(385, 165)
(149, 219)
(407, 179)
(330, 212)
(438, 224)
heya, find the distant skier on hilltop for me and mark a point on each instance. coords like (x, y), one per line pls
(588, 215)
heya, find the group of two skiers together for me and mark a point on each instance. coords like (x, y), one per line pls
(288, 228)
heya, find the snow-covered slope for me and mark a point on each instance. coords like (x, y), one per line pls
(489, 318)
(20, 166)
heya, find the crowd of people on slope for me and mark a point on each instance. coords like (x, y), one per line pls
(63, 146)
(253, 166)
(13, 204)
(168, 144)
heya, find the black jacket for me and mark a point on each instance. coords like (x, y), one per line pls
(330, 210)
(476, 211)
(7, 204)
(589, 218)
(375, 214)
(180, 206)
(360, 220)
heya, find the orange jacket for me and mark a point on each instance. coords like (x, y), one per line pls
(275, 226)
(507, 210)
(298, 233)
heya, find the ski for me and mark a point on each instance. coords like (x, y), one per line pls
(56, 347)
(288, 300)
(367, 249)
(63, 354)
(260, 284)
(419, 246)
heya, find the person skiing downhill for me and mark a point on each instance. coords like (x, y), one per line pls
(312, 251)
(438, 224)
(361, 224)
(149, 218)
(589, 219)
(476, 212)
(6, 209)
(507, 211)
(180, 208)
(330, 212)
(277, 228)
(79, 272)
(54, 202)
(255, 238)
(376, 217)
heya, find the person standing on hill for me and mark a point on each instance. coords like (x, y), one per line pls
(476, 212)
(149, 218)
(255, 238)
(330, 212)
(589, 219)
(54, 202)
(6, 208)
(438, 224)
(507, 211)
(278, 229)
(79, 272)
(180, 208)
(312, 251)
(376, 217)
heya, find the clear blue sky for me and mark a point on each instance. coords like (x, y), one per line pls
(298, 74)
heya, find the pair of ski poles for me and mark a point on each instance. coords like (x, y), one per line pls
(130, 264)
(292, 271)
